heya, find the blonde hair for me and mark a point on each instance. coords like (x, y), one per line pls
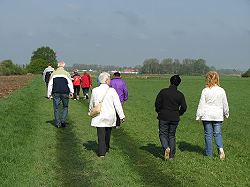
(212, 79)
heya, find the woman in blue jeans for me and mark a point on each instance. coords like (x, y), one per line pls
(212, 109)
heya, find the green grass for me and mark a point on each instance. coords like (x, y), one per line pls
(34, 153)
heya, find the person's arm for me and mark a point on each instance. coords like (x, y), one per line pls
(125, 91)
(183, 106)
(225, 105)
(118, 105)
(158, 102)
(50, 87)
(91, 102)
(71, 87)
(200, 109)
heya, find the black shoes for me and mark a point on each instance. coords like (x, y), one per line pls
(63, 125)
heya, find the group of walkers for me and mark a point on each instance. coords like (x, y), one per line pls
(83, 82)
(170, 104)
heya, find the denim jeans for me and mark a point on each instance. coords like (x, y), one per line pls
(212, 128)
(167, 130)
(60, 116)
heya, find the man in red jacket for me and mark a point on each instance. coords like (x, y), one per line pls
(86, 84)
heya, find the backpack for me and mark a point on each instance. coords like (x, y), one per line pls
(47, 76)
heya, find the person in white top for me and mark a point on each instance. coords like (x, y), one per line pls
(212, 109)
(107, 117)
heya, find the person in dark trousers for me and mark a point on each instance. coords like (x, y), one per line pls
(60, 88)
(86, 83)
(170, 104)
(121, 88)
(77, 84)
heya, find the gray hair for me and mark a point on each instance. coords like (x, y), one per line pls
(61, 64)
(103, 77)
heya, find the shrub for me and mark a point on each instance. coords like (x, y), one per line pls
(246, 74)
(8, 68)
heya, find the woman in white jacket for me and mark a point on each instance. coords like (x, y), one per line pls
(110, 104)
(212, 109)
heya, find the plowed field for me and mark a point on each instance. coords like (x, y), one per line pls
(10, 83)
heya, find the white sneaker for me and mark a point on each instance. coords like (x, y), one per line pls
(167, 153)
(222, 154)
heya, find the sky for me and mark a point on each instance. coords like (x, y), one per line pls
(126, 32)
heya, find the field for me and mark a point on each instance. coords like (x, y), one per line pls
(10, 83)
(35, 153)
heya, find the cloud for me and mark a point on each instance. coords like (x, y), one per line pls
(131, 17)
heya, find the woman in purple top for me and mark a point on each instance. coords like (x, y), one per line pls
(121, 88)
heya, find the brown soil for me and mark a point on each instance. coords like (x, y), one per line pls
(10, 83)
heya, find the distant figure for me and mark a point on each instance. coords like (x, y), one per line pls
(86, 84)
(170, 104)
(107, 118)
(47, 73)
(121, 88)
(77, 84)
(60, 88)
(212, 109)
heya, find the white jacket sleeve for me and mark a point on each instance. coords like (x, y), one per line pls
(225, 105)
(70, 85)
(200, 109)
(50, 85)
(118, 105)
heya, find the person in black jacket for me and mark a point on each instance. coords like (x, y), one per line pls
(170, 104)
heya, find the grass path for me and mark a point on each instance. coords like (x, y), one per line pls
(35, 153)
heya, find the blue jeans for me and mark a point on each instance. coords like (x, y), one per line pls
(60, 116)
(212, 128)
(167, 130)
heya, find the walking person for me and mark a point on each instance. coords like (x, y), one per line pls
(170, 104)
(110, 104)
(121, 88)
(46, 74)
(60, 88)
(212, 109)
(77, 84)
(86, 84)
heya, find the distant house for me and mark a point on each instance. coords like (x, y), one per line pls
(126, 71)
(130, 71)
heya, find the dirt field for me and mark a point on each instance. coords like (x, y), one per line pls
(10, 83)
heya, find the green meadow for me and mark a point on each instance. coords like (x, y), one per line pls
(35, 153)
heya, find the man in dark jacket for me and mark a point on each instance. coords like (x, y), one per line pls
(170, 104)
(60, 88)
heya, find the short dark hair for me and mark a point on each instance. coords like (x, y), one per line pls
(175, 80)
(117, 74)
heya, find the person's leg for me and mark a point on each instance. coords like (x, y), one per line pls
(208, 133)
(217, 132)
(101, 141)
(77, 92)
(172, 139)
(56, 104)
(65, 101)
(84, 92)
(163, 134)
(107, 137)
(87, 93)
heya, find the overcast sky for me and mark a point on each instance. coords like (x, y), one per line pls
(126, 32)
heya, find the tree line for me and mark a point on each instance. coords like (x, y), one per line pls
(43, 56)
(175, 66)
